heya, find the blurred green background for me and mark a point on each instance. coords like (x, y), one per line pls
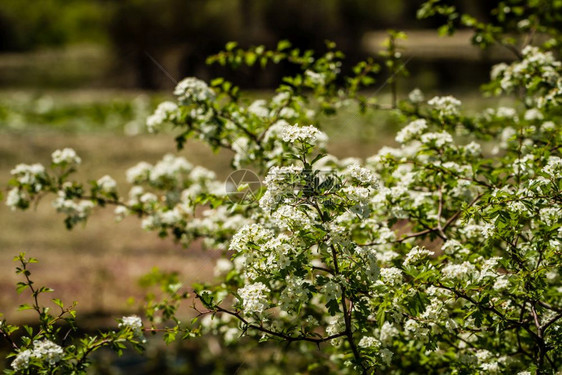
(107, 43)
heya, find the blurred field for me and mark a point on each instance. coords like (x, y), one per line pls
(99, 264)
(56, 67)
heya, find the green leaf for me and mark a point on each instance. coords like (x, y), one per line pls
(217, 82)
(333, 307)
(251, 58)
(25, 306)
(231, 45)
(283, 45)
(21, 286)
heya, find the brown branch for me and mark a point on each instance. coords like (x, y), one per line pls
(274, 333)
(8, 338)
(449, 222)
(550, 322)
(347, 314)
(92, 348)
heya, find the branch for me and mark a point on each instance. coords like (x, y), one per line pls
(316, 340)
(449, 222)
(550, 322)
(347, 315)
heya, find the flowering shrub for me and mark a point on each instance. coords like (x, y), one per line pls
(440, 255)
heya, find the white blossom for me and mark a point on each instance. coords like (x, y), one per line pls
(434, 310)
(411, 131)
(386, 356)
(550, 215)
(259, 108)
(485, 231)
(533, 114)
(501, 283)
(368, 342)
(198, 173)
(363, 175)
(506, 113)
(391, 276)
(446, 105)
(254, 298)
(458, 272)
(439, 139)
(223, 267)
(498, 70)
(315, 78)
(335, 325)
(282, 179)
(518, 207)
(332, 291)
(79, 210)
(120, 213)
(295, 293)
(416, 330)
(47, 351)
(169, 168)
(290, 217)
(66, 156)
(473, 149)
(388, 333)
(134, 323)
(304, 134)
(139, 172)
(29, 174)
(357, 194)
(548, 126)
(416, 254)
(14, 198)
(107, 184)
(416, 96)
(252, 233)
(21, 361)
(553, 167)
(192, 90)
(165, 112)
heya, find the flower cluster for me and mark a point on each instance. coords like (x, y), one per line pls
(66, 156)
(30, 179)
(76, 211)
(254, 298)
(29, 174)
(304, 134)
(445, 105)
(538, 71)
(43, 351)
(133, 323)
(166, 112)
(107, 184)
(411, 131)
(190, 91)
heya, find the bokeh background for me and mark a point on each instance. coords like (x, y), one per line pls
(86, 73)
(105, 43)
